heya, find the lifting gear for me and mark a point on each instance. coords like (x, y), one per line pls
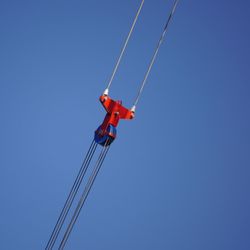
(115, 111)
(104, 136)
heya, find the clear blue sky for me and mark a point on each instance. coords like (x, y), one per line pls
(177, 177)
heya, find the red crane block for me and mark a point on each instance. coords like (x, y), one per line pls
(115, 111)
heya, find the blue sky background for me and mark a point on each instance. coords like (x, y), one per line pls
(177, 177)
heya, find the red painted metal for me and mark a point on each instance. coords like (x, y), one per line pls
(115, 112)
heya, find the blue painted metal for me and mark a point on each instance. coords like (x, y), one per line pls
(102, 136)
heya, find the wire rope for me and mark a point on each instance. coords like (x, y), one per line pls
(155, 54)
(85, 194)
(71, 196)
(124, 46)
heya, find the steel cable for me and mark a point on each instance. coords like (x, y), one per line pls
(125, 45)
(71, 196)
(85, 194)
(155, 54)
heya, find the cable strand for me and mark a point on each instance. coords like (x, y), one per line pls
(124, 46)
(155, 54)
(71, 196)
(84, 196)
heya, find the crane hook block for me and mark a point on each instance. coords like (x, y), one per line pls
(106, 132)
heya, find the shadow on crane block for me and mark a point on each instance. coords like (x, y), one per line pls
(105, 137)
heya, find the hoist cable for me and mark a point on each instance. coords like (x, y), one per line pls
(124, 46)
(85, 194)
(71, 196)
(155, 53)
